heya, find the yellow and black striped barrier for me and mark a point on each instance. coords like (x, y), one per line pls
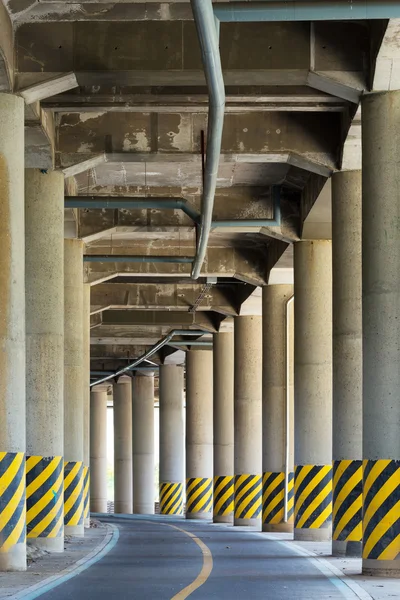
(73, 494)
(199, 495)
(313, 497)
(290, 501)
(381, 510)
(86, 492)
(273, 498)
(44, 496)
(224, 492)
(12, 500)
(171, 498)
(347, 503)
(248, 496)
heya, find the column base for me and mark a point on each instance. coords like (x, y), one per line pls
(86, 523)
(14, 559)
(227, 519)
(350, 549)
(143, 510)
(277, 527)
(247, 523)
(98, 506)
(74, 530)
(52, 545)
(199, 516)
(312, 535)
(381, 568)
(122, 508)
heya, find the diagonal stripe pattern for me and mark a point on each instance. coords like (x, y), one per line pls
(86, 492)
(347, 500)
(224, 490)
(248, 496)
(273, 498)
(290, 501)
(12, 500)
(313, 496)
(73, 493)
(381, 509)
(44, 496)
(199, 495)
(171, 498)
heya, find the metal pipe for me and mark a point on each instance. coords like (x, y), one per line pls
(287, 408)
(193, 343)
(304, 10)
(207, 33)
(149, 353)
(107, 202)
(118, 258)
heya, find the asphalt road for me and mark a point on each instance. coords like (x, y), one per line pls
(155, 561)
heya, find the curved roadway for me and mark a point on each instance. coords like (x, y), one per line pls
(155, 559)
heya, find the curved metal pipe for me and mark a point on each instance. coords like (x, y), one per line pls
(149, 353)
(207, 33)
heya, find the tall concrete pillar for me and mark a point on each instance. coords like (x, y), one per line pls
(44, 280)
(347, 364)
(73, 387)
(122, 394)
(313, 389)
(381, 333)
(277, 415)
(143, 444)
(171, 440)
(98, 449)
(248, 420)
(223, 376)
(199, 434)
(12, 335)
(86, 404)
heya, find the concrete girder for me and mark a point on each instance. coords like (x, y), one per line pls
(170, 297)
(6, 51)
(205, 320)
(244, 264)
(39, 137)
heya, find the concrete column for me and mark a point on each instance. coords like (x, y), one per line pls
(313, 389)
(44, 280)
(143, 444)
(12, 334)
(381, 333)
(73, 387)
(123, 445)
(86, 404)
(347, 364)
(248, 420)
(277, 415)
(98, 449)
(171, 440)
(199, 434)
(223, 428)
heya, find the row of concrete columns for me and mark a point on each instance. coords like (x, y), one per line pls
(44, 356)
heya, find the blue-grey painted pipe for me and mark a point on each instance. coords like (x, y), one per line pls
(118, 258)
(304, 10)
(207, 33)
(97, 202)
(190, 343)
(149, 353)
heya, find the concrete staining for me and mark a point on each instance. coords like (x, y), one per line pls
(158, 546)
(122, 403)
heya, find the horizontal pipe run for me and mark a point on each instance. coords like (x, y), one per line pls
(149, 353)
(304, 10)
(98, 202)
(122, 258)
(190, 343)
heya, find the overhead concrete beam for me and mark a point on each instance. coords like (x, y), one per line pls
(39, 137)
(48, 88)
(387, 67)
(6, 51)
(207, 321)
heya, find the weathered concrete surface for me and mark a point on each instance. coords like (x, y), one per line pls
(143, 443)
(44, 288)
(122, 402)
(98, 449)
(12, 295)
(6, 51)
(86, 379)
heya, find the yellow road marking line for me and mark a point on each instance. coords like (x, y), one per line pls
(205, 570)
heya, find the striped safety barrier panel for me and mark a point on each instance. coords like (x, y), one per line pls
(12, 500)
(347, 501)
(381, 510)
(86, 492)
(273, 498)
(73, 494)
(248, 496)
(290, 493)
(199, 495)
(171, 498)
(313, 497)
(224, 490)
(44, 496)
